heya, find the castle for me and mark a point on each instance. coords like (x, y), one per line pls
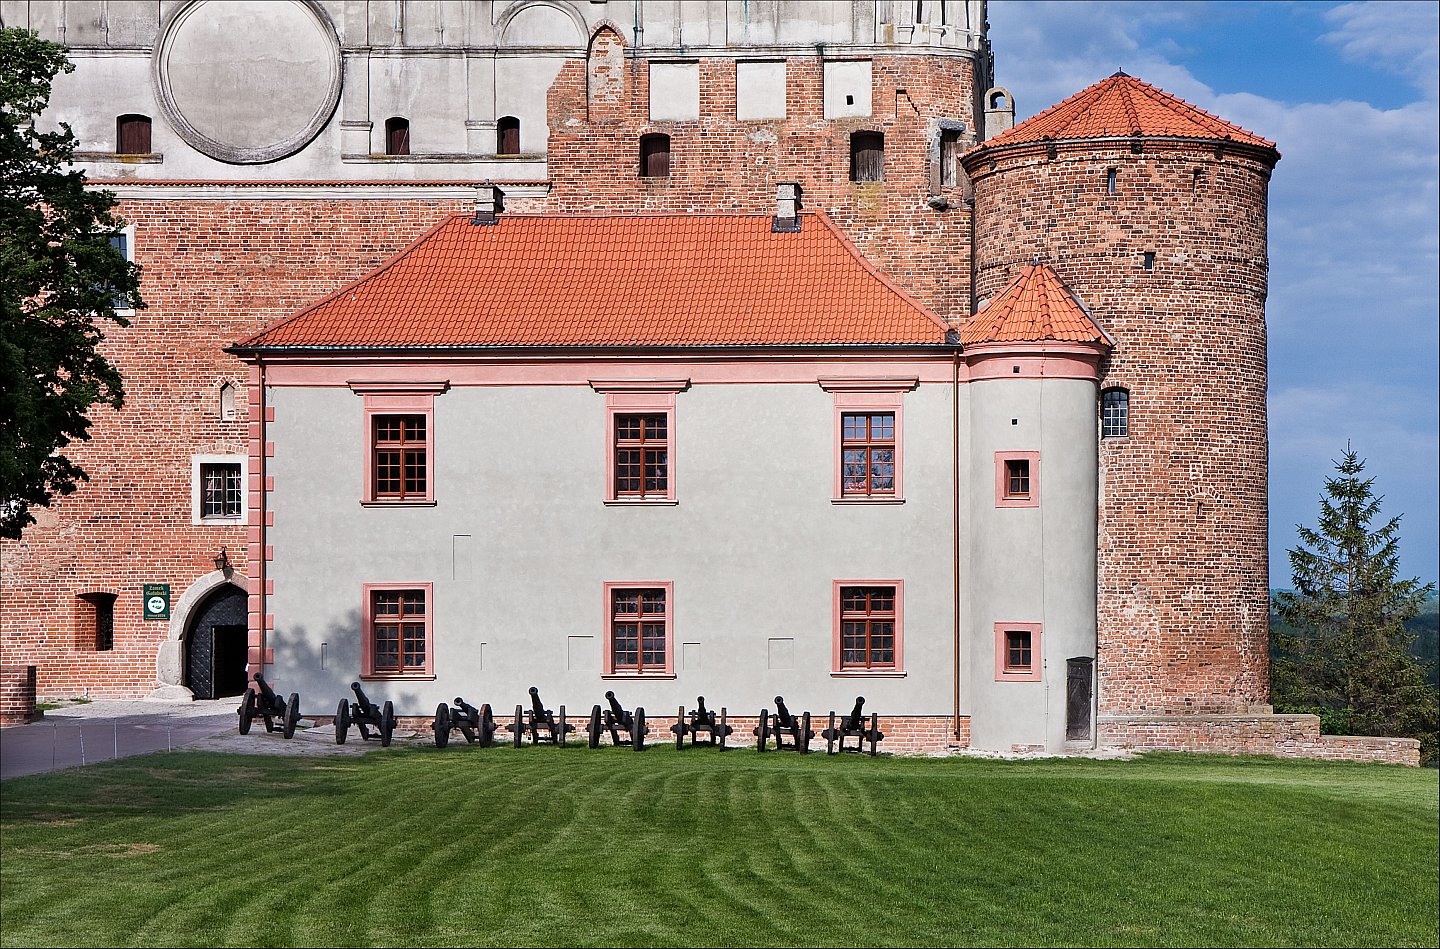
(675, 348)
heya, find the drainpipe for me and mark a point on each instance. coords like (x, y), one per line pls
(955, 524)
(260, 514)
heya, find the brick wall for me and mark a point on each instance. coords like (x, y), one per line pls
(1182, 562)
(17, 695)
(214, 272)
(1287, 736)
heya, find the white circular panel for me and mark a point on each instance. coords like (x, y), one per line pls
(248, 81)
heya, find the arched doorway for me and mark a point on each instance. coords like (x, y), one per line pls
(216, 644)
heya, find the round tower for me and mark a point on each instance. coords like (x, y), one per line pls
(1153, 213)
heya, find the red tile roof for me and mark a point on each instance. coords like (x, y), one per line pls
(1121, 106)
(1033, 308)
(609, 280)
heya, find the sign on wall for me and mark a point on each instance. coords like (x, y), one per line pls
(156, 597)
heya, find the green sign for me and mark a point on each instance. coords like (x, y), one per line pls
(156, 599)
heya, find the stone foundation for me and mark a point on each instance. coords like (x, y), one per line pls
(1285, 736)
(17, 695)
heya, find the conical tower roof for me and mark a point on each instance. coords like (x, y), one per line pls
(1120, 107)
(1035, 307)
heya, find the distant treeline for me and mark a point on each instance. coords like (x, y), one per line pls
(1425, 628)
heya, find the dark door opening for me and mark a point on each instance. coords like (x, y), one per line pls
(216, 646)
(1079, 693)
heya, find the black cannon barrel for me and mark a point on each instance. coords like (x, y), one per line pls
(615, 705)
(858, 712)
(700, 709)
(535, 702)
(360, 695)
(265, 690)
(782, 714)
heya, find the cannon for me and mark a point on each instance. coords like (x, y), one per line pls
(853, 726)
(701, 721)
(476, 724)
(790, 733)
(365, 715)
(540, 722)
(261, 700)
(625, 728)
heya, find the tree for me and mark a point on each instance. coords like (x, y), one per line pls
(1348, 657)
(60, 282)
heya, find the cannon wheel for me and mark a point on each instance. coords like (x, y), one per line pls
(247, 711)
(342, 721)
(724, 730)
(387, 724)
(442, 725)
(830, 736)
(805, 733)
(487, 726)
(637, 730)
(679, 728)
(874, 732)
(763, 730)
(593, 731)
(519, 724)
(292, 715)
(563, 729)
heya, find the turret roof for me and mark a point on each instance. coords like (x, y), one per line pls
(1119, 107)
(1034, 307)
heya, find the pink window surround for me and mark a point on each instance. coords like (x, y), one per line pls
(640, 397)
(1003, 497)
(1003, 672)
(837, 668)
(607, 664)
(860, 396)
(397, 398)
(367, 631)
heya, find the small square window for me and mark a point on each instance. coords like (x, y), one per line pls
(217, 489)
(1017, 479)
(1017, 652)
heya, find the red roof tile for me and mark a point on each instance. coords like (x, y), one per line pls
(1121, 106)
(609, 280)
(1034, 307)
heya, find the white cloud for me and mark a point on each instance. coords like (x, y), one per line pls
(1397, 37)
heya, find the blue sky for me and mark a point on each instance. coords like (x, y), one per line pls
(1349, 93)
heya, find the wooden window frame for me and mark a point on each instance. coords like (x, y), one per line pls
(412, 446)
(397, 125)
(1004, 672)
(837, 666)
(1124, 414)
(1003, 495)
(132, 121)
(367, 632)
(507, 124)
(406, 398)
(652, 401)
(608, 667)
(646, 141)
(868, 396)
(951, 148)
(856, 138)
(197, 488)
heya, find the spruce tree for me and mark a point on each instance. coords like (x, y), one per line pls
(1347, 656)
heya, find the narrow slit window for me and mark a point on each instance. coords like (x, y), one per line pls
(227, 402)
(507, 136)
(1114, 413)
(867, 156)
(132, 135)
(655, 156)
(1110, 180)
(1149, 260)
(949, 158)
(397, 136)
(101, 619)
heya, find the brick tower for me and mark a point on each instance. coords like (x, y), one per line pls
(1153, 213)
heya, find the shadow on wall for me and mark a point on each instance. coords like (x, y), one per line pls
(322, 674)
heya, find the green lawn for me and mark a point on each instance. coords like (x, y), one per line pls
(548, 846)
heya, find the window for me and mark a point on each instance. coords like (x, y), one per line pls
(507, 136)
(399, 450)
(869, 627)
(396, 637)
(227, 402)
(98, 620)
(1110, 177)
(950, 170)
(401, 457)
(217, 489)
(122, 240)
(867, 454)
(642, 456)
(1149, 260)
(1017, 652)
(397, 136)
(132, 135)
(1017, 479)
(655, 156)
(638, 633)
(1114, 413)
(867, 156)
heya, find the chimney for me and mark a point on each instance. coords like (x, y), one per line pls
(787, 208)
(489, 202)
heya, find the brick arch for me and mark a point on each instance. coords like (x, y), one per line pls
(170, 658)
(606, 25)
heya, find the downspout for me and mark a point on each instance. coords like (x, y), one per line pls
(955, 524)
(261, 517)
